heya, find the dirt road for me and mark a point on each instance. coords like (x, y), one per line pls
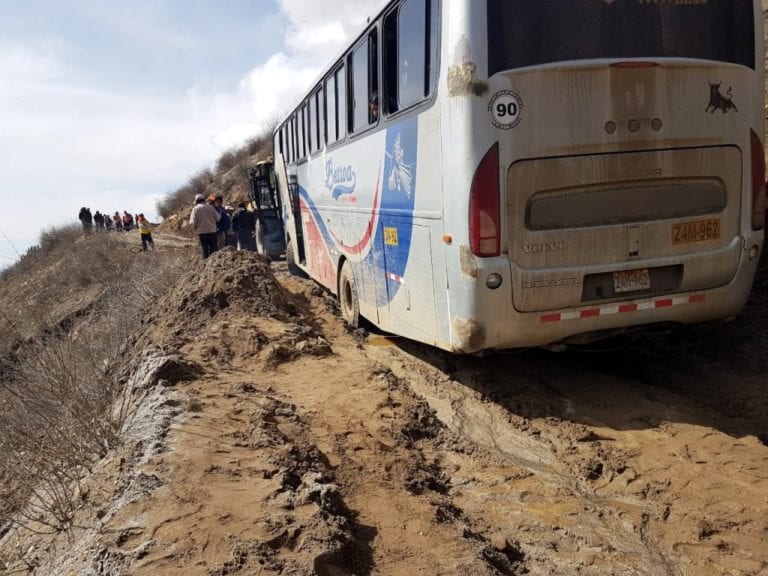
(273, 441)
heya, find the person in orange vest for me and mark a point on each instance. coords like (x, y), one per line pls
(127, 221)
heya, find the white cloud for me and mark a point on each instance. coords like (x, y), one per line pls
(316, 33)
(32, 63)
(67, 141)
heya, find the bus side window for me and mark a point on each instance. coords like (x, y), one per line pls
(408, 57)
(320, 118)
(341, 102)
(300, 123)
(373, 77)
(358, 89)
(332, 129)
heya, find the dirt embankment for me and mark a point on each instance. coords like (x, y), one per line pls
(272, 441)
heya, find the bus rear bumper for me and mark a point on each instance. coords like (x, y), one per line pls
(530, 329)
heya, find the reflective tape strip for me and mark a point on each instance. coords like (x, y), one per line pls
(622, 308)
(396, 278)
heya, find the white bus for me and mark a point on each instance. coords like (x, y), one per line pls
(504, 173)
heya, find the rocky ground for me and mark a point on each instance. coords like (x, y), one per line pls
(268, 439)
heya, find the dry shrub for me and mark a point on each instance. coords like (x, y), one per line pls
(261, 145)
(63, 408)
(54, 236)
(230, 159)
(258, 147)
(177, 199)
(63, 402)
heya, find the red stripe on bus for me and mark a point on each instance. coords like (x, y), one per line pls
(697, 298)
(590, 313)
(550, 318)
(624, 308)
(664, 303)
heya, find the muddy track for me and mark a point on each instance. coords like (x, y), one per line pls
(637, 461)
(639, 457)
(290, 446)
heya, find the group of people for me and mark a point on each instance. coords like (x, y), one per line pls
(218, 226)
(119, 223)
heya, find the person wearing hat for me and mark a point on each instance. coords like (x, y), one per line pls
(231, 238)
(205, 220)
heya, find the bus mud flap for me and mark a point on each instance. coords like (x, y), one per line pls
(470, 334)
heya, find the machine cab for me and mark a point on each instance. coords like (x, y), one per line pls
(266, 204)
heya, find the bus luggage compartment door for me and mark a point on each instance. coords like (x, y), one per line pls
(408, 274)
(665, 221)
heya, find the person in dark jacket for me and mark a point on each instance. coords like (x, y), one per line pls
(224, 222)
(243, 225)
(86, 219)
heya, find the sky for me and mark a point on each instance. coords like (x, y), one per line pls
(111, 104)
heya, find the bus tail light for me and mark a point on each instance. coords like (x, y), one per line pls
(758, 182)
(484, 208)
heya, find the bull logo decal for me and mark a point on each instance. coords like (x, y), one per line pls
(719, 102)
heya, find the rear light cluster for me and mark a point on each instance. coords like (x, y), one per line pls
(484, 207)
(758, 182)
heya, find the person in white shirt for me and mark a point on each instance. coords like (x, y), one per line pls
(205, 220)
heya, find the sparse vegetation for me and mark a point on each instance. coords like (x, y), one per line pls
(207, 181)
(174, 201)
(63, 396)
(63, 404)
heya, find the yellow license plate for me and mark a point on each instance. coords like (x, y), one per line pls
(631, 280)
(696, 231)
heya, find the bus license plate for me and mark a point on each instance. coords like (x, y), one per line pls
(631, 280)
(696, 231)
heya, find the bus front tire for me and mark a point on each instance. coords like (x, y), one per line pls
(350, 305)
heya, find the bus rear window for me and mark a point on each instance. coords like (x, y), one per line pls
(528, 33)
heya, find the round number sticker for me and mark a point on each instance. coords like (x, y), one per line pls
(505, 108)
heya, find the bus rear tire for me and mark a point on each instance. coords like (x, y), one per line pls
(348, 300)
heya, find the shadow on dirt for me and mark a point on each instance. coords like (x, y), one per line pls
(710, 374)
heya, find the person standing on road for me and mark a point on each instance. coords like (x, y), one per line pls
(127, 220)
(118, 222)
(243, 225)
(230, 239)
(145, 230)
(205, 219)
(225, 222)
(86, 219)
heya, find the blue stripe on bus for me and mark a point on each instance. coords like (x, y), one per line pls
(395, 212)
